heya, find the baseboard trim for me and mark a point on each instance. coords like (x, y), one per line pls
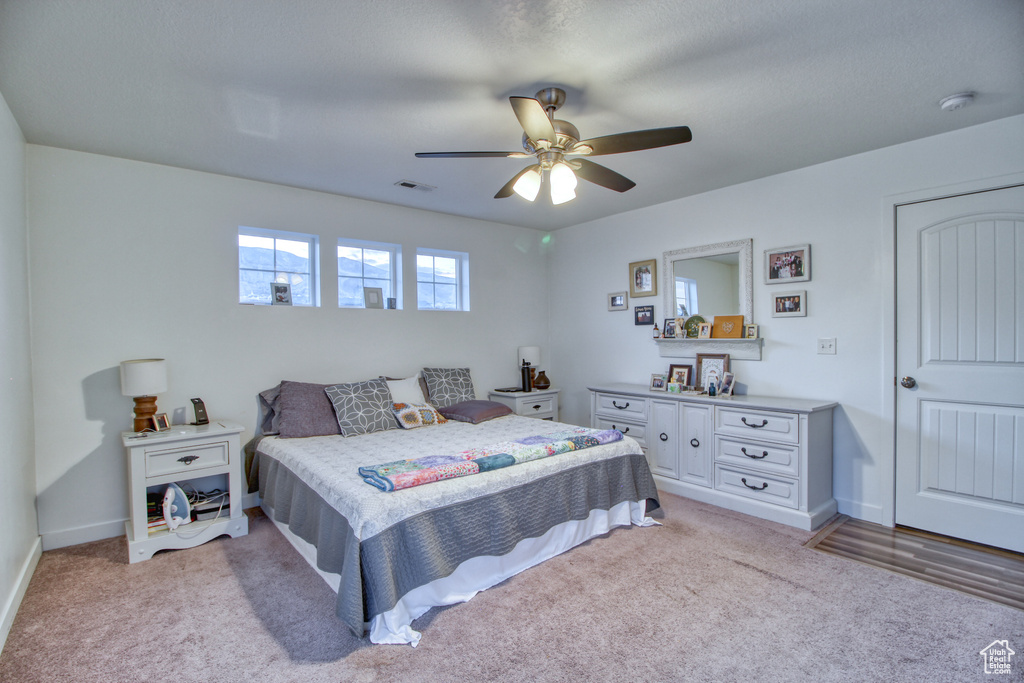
(83, 534)
(28, 568)
(861, 511)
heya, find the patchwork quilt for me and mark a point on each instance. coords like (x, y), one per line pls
(402, 474)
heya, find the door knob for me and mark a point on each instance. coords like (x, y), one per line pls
(908, 382)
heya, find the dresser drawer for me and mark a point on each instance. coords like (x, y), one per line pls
(760, 456)
(637, 430)
(624, 406)
(539, 407)
(764, 487)
(759, 424)
(186, 459)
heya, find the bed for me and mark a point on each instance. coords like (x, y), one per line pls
(392, 555)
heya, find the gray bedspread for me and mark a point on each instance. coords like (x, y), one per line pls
(425, 535)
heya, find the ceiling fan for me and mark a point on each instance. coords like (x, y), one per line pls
(560, 153)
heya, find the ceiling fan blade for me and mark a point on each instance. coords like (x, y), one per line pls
(458, 155)
(533, 119)
(506, 190)
(637, 140)
(600, 175)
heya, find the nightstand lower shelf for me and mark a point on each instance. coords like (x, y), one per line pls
(186, 536)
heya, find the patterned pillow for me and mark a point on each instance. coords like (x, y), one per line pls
(362, 407)
(413, 415)
(448, 386)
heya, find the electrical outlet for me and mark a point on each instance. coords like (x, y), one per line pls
(827, 345)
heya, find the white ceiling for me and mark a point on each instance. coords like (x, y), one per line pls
(337, 95)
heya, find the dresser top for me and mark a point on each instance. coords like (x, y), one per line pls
(800, 405)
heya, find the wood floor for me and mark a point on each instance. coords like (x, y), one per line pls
(985, 572)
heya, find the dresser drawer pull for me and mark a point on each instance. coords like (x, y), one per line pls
(762, 487)
(663, 436)
(620, 407)
(188, 459)
(694, 442)
(764, 454)
(537, 407)
(763, 423)
(624, 431)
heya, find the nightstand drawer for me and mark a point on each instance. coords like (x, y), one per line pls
(628, 407)
(175, 460)
(765, 457)
(766, 488)
(539, 407)
(758, 424)
(637, 430)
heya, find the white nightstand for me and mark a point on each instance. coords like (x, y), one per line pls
(184, 453)
(539, 403)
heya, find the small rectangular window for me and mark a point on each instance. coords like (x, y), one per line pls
(442, 280)
(266, 256)
(368, 264)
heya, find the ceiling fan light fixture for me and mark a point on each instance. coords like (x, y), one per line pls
(563, 183)
(528, 185)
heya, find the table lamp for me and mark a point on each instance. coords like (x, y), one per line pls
(143, 379)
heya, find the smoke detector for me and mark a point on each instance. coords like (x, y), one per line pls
(957, 101)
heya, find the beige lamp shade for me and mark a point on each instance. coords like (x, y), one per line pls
(530, 354)
(143, 379)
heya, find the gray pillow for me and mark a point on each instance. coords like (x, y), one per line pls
(305, 410)
(270, 412)
(362, 407)
(475, 411)
(448, 386)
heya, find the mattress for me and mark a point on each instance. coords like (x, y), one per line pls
(383, 546)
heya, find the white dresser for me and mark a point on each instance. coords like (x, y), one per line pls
(763, 456)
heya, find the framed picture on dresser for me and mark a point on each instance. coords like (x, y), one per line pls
(710, 365)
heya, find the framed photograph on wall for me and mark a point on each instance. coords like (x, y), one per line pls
(643, 278)
(787, 264)
(618, 301)
(680, 374)
(643, 315)
(789, 304)
(711, 366)
(280, 294)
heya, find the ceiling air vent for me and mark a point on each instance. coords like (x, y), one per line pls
(410, 185)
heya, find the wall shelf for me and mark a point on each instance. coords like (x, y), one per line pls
(738, 349)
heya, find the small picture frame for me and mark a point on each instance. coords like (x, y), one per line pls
(728, 383)
(789, 304)
(618, 301)
(280, 294)
(643, 278)
(659, 382)
(787, 264)
(704, 331)
(668, 330)
(373, 297)
(675, 388)
(680, 374)
(750, 331)
(708, 364)
(160, 422)
(643, 315)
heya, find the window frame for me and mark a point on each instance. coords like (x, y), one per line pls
(396, 267)
(314, 260)
(461, 277)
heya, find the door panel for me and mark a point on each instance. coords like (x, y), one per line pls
(960, 336)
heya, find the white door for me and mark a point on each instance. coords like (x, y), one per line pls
(960, 365)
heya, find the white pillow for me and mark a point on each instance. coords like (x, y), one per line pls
(407, 391)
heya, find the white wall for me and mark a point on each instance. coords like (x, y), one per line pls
(19, 542)
(133, 260)
(839, 208)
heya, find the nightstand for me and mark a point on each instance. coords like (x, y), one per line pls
(206, 457)
(540, 403)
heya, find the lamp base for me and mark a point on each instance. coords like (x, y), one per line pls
(145, 408)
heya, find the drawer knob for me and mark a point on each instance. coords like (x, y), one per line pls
(620, 407)
(663, 436)
(188, 459)
(762, 487)
(763, 423)
(764, 454)
(694, 442)
(624, 431)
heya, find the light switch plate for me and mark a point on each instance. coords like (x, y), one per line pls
(827, 346)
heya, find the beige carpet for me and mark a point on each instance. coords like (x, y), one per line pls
(710, 596)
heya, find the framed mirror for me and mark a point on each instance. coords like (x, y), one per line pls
(709, 280)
